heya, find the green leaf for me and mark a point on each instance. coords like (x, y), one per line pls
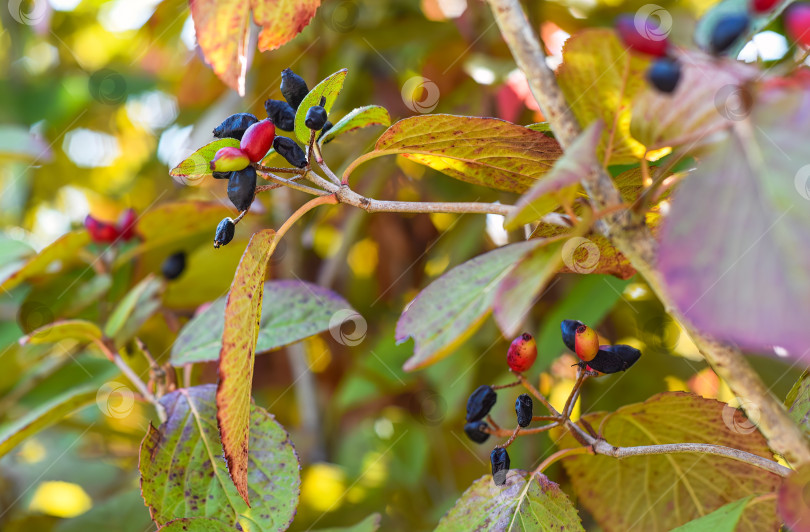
(724, 519)
(183, 473)
(44, 416)
(453, 306)
(242, 317)
(798, 402)
(661, 492)
(525, 502)
(601, 79)
(792, 500)
(83, 330)
(13, 255)
(196, 166)
(195, 524)
(65, 251)
(369, 524)
(328, 88)
(482, 151)
(134, 309)
(370, 115)
(562, 181)
(291, 311)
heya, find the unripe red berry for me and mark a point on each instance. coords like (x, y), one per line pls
(229, 159)
(763, 6)
(522, 353)
(258, 139)
(126, 224)
(586, 343)
(101, 232)
(797, 23)
(647, 39)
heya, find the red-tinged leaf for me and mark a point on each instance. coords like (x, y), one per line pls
(660, 492)
(735, 248)
(482, 151)
(700, 110)
(64, 251)
(577, 163)
(281, 20)
(792, 502)
(197, 165)
(242, 315)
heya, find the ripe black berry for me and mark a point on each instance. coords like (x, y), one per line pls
(225, 232)
(726, 32)
(614, 358)
(234, 126)
(480, 402)
(326, 127)
(475, 431)
(664, 74)
(221, 175)
(291, 151)
(523, 409)
(281, 113)
(293, 88)
(173, 266)
(569, 331)
(499, 459)
(242, 188)
(316, 117)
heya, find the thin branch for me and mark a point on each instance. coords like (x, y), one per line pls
(507, 433)
(562, 453)
(279, 169)
(350, 197)
(130, 374)
(289, 183)
(572, 397)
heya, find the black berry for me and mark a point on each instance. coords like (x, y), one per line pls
(326, 127)
(242, 188)
(523, 409)
(281, 113)
(293, 88)
(664, 74)
(316, 117)
(225, 232)
(234, 126)
(480, 402)
(475, 431)
(221, 175)
(726, 32)
(499, 459)
(173, 266)
(569, 331)
(291, 151)
(613, 358)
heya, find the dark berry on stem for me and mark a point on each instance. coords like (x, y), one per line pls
(648, 39)
(258, 140)
(281, 113)
(225, 231)
(727, 30)
(664, 74)
(523, 409)
(569, 329)
(242, 188)
(173, 266)
(291, 151)
(221, 175)
(476, 431)
(480, 402)
(522, 353)
(293, 88)
(234, 126)
(101, 232)
(797, 22)
(316, 117)
(326, 127)
(614, 358)
(499, 459)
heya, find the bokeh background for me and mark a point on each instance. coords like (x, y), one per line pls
(99, 99)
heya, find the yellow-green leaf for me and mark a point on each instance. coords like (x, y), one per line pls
(196, 166)
(83, 330)
(64, 250)
(134, 309)
(370, 115)
(328, 88)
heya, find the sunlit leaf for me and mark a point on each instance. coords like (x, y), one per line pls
(724, 519)
(82, 330)
(329, 88)
(482, 151)
(134, 309)
(196, 166)
(242, 318)
(660, 492)
(62, 252)
(798, 402)
(291, 311)
(183, 473)
(195, 524)
(370, 115)
(525, 502)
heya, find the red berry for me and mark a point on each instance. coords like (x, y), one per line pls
(797, 23)
(229, 160)
(586, 343)
(646, 37)
(100, 232)
(258, 139)
(126, 224)
(762, 6)
(522, 353)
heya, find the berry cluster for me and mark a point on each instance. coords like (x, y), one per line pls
(106, 233)
(256, 137)
(595, 360)
(665, 71)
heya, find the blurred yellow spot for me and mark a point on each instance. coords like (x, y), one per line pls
(327, 240)
(410, 168)
(60, 499)
(437, 265)
(318, 354)
(93, 46)
(705, 383)
(363, 258)
(442, 220)
(686, 347)
(384, 428)
(356, 494)
(546, 382)
(560, 391)
(674, 384)
(322, 487)
(374, 469)
(31, 452)
(636, 291)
